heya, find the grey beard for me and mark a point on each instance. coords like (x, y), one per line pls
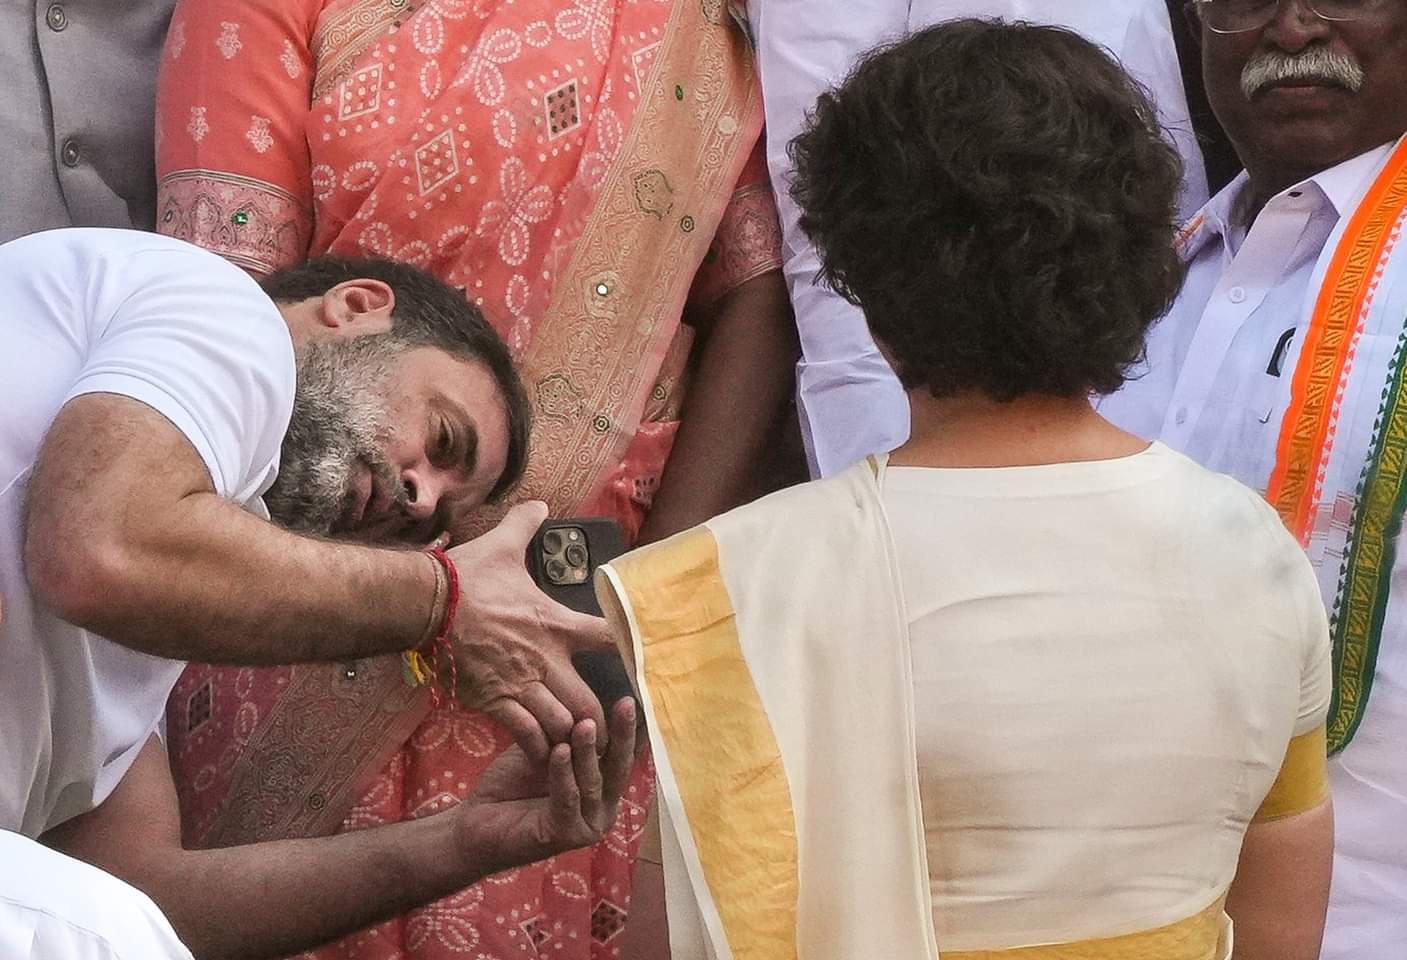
(338, 421)
(1314, 63)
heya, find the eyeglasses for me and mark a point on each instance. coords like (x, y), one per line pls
(1243, 16)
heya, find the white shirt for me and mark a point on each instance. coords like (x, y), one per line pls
(1216, 387)
(850, 403)
(53, 907)
(1109, 659)
(186, 333)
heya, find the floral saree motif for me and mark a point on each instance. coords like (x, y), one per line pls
(582, 169)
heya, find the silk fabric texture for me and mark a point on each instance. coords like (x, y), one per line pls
(568, 166)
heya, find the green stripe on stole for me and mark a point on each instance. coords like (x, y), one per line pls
(1365, 583)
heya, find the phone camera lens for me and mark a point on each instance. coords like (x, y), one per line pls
(553, 541)
(557, 571)
(576, 555)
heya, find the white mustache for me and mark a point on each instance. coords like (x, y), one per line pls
(1315, 64)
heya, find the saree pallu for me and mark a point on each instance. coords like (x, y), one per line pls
(1339, 479)
(790, 817)
(582, 170)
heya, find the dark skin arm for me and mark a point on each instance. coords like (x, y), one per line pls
(278, 898)
(1281, 892)
(744, 380)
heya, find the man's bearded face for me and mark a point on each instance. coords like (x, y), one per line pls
(338, 428)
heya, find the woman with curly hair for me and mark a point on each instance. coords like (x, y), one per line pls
(1028, 684)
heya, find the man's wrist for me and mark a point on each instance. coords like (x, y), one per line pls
(435, 619)
(477, 844)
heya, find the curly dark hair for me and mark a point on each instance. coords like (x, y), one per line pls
(1000, 200)
(427, 313)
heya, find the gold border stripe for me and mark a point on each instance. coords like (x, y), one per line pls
(1303, 781)
(721, 745)
(1201, 937)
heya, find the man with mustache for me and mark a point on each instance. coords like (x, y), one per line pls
(159, 409)
(1281, 363)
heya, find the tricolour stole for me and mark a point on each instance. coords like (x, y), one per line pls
(1337, 483)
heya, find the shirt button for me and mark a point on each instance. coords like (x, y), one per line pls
(1180, 417)
(70, 153)
(1236, 294)
(56, 17)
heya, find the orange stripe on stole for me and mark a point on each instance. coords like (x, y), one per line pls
(1306, 431)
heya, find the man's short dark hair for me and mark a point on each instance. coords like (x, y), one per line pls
(428, 313)
(1000, 201)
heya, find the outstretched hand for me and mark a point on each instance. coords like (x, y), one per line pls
(513, 643)
(522, 811)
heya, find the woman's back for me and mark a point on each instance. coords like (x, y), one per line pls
(1110, 659)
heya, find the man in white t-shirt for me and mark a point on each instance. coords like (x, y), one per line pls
(159, 407)
(1280, 363)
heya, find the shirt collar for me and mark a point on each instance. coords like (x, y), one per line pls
(1341, 185)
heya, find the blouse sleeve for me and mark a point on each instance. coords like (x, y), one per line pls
(1303, 781)
(233, 97)
(748, 242)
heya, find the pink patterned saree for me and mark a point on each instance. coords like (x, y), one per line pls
(584, 170)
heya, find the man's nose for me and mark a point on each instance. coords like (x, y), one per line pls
(1296, 25)
(424, 489)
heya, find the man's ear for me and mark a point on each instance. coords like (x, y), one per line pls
(357, 308)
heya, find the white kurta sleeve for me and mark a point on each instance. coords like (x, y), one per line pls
(850, 403)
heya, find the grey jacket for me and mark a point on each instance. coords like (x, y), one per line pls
(77, 113)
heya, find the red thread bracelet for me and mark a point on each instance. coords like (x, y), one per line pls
(442, 638)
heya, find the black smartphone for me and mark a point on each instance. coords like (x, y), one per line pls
(562, 559)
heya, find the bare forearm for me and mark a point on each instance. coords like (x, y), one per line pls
(1281, 891)
(125, 536)
(744, 379)
(238, 589)
(276, 899)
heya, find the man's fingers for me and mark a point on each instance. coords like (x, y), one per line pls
(581, 631)
(563, 796)
(587, 770)
(567, 686)
(522, 726)
(552, 716)
(520, 524)
(620, 757)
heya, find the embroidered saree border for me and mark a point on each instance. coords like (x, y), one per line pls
(250, 222)
(1309, 431)
(1200, 937)
(342, 36)
(616, 305)
(296, 775)
(729, 771)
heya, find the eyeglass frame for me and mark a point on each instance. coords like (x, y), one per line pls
(1193, 10)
